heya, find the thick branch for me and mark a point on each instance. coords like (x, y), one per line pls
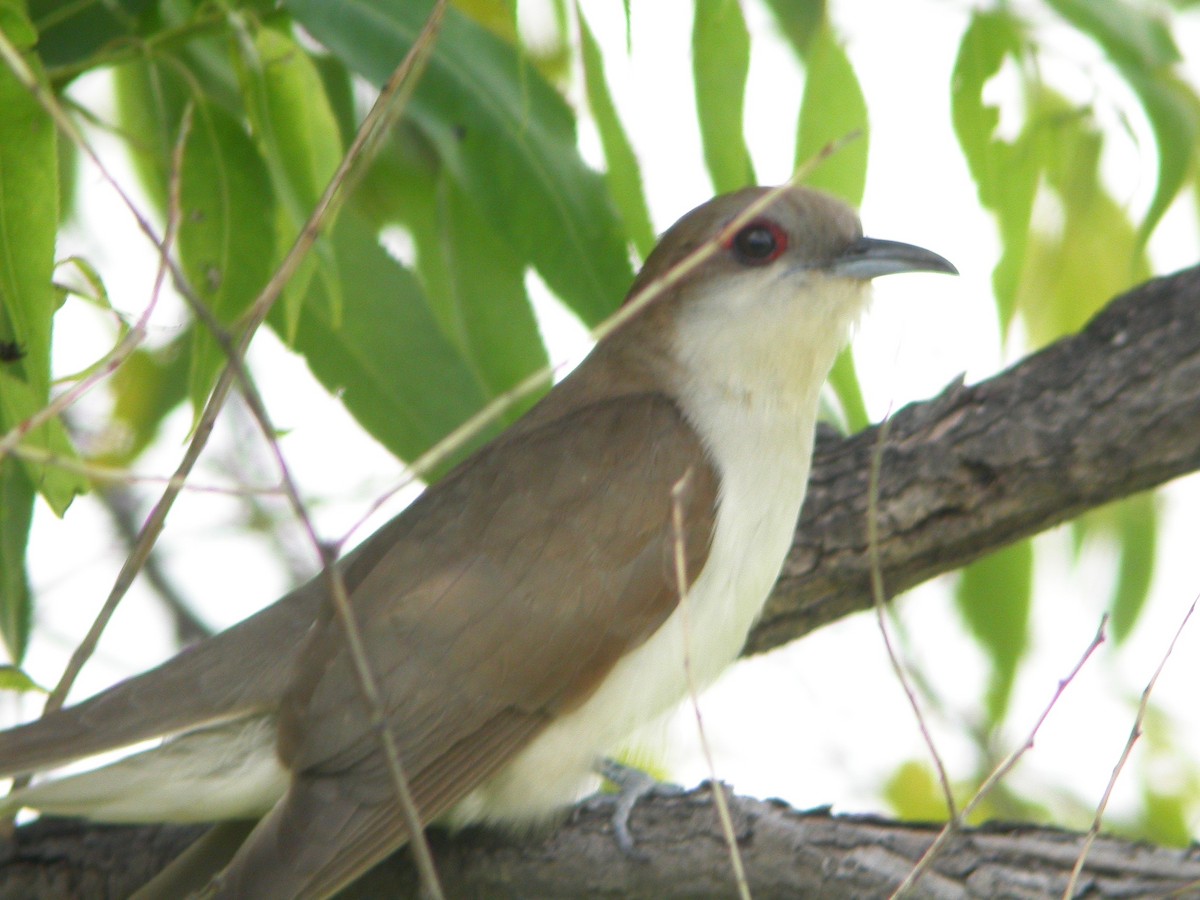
(1092, 418)
(787, 854)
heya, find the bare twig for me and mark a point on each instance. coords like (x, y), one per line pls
(879, 592)
(1001, 771)
(1134, 734)
(681, 585)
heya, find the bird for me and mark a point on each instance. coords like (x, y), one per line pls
(523, 616)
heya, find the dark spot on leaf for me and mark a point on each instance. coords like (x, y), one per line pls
(11, 351)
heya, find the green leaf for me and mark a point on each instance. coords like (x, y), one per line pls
(843, 378)
(1093, 251)
(70, 32)
(28, 227)
(1137, 520)
(914, 794)
(13, 678)
(1006, 174)
(720, 64)
(624, 176)
(226, 239)
(1130, 35)
(504, 135)
(993, 596)
(1139, 43)
(387, 358)
(16, 513)
(832, 108)
(297, 134)
(146, 387)
(799, 20)
(494, 322)
(150, 98)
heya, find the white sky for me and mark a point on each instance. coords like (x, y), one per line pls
(828, 722)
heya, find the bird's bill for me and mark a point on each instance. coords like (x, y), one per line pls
(871, 257)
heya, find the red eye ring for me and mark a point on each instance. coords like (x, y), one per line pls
(757, 243)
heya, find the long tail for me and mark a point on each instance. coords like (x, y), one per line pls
(240, 671)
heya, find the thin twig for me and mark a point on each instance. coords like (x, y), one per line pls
(1001, 771)
(681, 585)
(1134, 734)
(652, 290)
(880, 595)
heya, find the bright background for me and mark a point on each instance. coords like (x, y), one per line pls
(824, 720)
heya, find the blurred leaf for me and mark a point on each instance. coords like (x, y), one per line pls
(16, 513)
(844, 380)
(914, 794)
(387, 358)
(227, 249)
(1132, 525)
(1006, 174)
(624, 175)
(146, 387)
(993, 596)
(833, 107)
(1092, 252)
(503, 133)
(13, 678)
(298, 137)
(1130, 35)
(720, 63)
(150, 98)
(495, 325)
(799, 20)
(28, 300)
(1166, 818)
(1140, 45)
(69, 31)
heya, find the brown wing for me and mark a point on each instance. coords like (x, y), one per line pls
(501, 600)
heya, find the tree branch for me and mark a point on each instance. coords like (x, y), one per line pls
(786, 853)
(1090, 419)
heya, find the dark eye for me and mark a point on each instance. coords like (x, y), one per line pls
(759, 243)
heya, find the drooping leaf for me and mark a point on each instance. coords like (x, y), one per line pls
(16, 679)
(1091, 251)
(503, 134)
(69, 33)
(993, 596)
(28, 300)
(146, 387)
(624, 174)
(496, 327)
(1005, 173)
(226, 231)
(16, 513)
(387, 358)
(720, 64)
(799, 20)
(833, 107)
(297, 134)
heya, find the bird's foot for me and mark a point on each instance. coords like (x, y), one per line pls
(632, 785)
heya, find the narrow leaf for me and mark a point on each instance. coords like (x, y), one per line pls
(993, 596)
(720, 64)
(387, 358)
(16, 513)
(226, 239)
(832, 108)
(624, 175)
(504, 135)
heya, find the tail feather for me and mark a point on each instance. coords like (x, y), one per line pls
(239, 672)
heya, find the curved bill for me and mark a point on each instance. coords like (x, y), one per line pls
(871, 257)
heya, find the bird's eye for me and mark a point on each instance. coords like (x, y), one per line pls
(758, 243)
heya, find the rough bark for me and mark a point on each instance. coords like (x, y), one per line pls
(1093, 418)
(786, 853)
(1090, 419)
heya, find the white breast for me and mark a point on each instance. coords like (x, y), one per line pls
(754, 403)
